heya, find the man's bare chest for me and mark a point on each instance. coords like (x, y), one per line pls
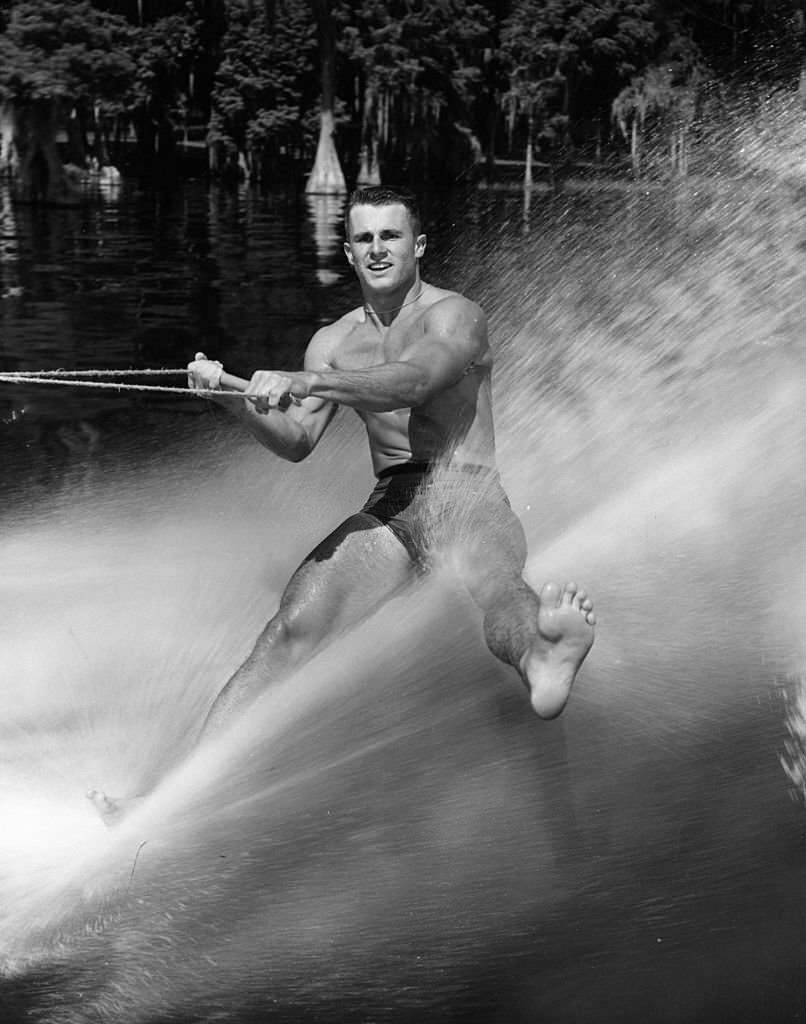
(369, 345)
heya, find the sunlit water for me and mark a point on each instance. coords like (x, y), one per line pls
(391, 834)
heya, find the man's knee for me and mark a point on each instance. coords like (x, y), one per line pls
(292, 632)
(496, 590)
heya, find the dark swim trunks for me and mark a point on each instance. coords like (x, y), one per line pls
(392, 499)
(412, 498)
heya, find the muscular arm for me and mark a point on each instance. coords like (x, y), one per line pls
(454, 335)
(290, 433)
(451, 336)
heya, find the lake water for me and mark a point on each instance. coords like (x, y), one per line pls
(392, 835)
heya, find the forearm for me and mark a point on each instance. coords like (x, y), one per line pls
(275, 430)
(384, 388)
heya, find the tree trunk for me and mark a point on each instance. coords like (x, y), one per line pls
(492, 137)
(327, 176)
(683, 152)
(527, 170)
(635, 149)
(76, 140)
(41, 175)
(8, 153)
(679, 152)
(369, 170)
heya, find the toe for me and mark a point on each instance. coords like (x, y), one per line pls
(551, 595)
(580, 598)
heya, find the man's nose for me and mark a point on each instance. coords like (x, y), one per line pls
(378, 246)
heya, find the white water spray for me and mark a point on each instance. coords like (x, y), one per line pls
(393, 822)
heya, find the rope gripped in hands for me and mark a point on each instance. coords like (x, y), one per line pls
(87, 379)
(76, 379)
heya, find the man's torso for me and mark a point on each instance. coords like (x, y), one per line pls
(455, 426)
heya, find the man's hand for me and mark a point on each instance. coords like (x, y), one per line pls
(274, 389)
(204, 374)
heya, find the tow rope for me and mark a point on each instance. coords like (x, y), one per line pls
(87, 379)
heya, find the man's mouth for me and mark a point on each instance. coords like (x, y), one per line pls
(379, 266)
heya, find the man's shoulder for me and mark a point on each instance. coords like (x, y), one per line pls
(446, 307)
(438, 295)
(331, 334)
(444, 300)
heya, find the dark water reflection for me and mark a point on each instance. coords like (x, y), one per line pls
(641, 859)
(127, 280)
(136, 279)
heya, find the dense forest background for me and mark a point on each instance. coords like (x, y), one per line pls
(326, 94)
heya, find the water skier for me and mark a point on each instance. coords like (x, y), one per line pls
(414, 362)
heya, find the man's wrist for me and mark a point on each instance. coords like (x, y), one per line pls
(240, 409)
(315, 382)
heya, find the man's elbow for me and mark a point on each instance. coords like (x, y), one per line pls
(420, 390)
(295, 449)
(290, 450)
(298, 453)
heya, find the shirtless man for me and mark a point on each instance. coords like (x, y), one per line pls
(415, 364)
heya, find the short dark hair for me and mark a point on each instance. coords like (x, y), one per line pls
(380, 195)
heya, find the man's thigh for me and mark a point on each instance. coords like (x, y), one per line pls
(349, 574)
(490, 549)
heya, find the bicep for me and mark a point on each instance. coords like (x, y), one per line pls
(313, 413)
(449, 344)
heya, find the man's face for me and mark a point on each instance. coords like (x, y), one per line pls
(382, 247)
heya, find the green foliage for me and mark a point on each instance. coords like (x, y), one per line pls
(428, 56)
(264, 85)
(412, 72)
(562, 56)
(658, 109)
(666, 91)
(747, 39)
(410, 76)
(166, 52)
(64, 52)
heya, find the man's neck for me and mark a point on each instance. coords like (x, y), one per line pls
(386, 308)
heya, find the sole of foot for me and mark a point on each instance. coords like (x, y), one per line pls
(565, 632)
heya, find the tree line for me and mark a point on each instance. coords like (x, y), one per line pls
(359, 90)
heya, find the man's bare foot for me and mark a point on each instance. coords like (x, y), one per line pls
(564, 636)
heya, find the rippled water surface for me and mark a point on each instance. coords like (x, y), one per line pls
(392, 835)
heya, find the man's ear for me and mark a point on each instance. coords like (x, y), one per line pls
(419, 245)
(348, 252)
